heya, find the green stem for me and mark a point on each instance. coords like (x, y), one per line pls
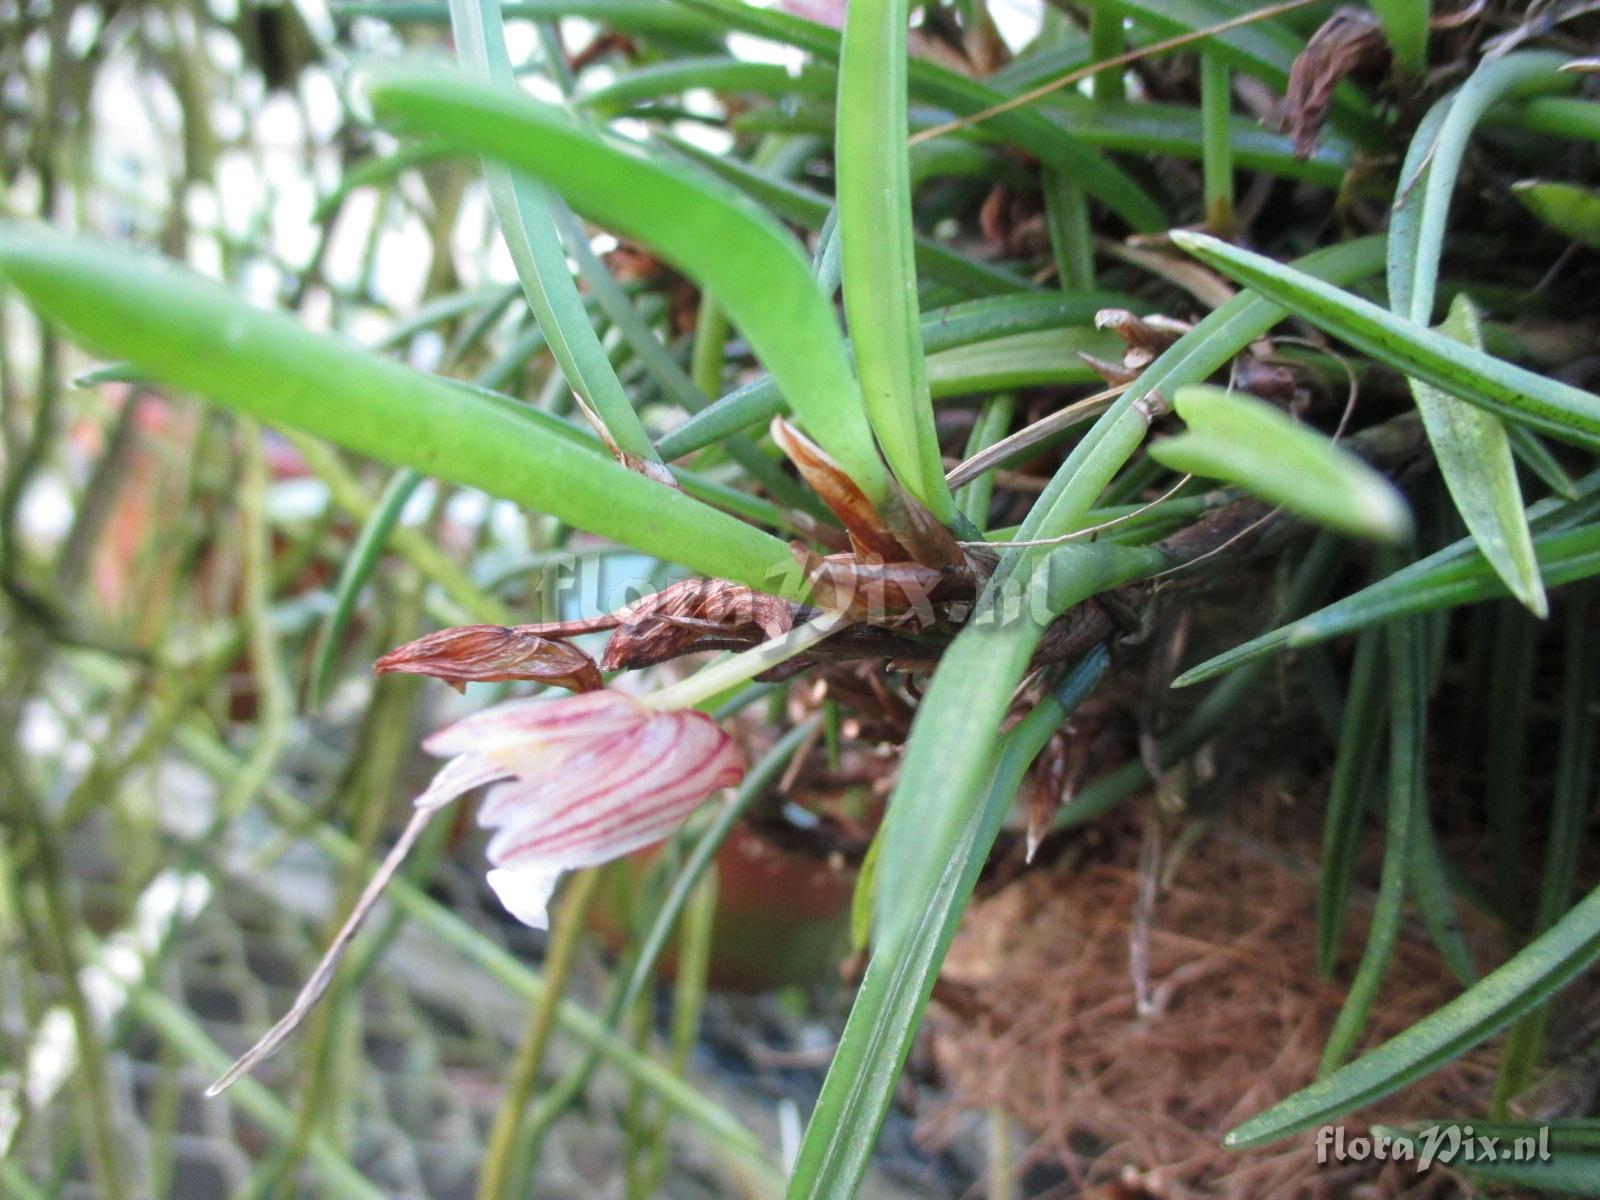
(719, 677)
(754, 786)
(1217, 146)
(1107, 40)
(93, 1086)
(559, 957)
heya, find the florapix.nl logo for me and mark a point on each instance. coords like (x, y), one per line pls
(1445, 1144)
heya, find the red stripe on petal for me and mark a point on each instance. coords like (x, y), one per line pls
(611, 753)
(543, 808)
(538, 720)
(682, 784)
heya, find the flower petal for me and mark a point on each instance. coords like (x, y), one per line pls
(522, 723)
(526, 891)
(679, 760)
(567, 772)
(460, 774)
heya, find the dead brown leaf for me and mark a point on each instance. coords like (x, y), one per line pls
(1348, 41)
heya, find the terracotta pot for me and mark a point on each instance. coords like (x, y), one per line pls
(782, 918)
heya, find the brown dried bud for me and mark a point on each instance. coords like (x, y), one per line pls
(693, 615)
(488, 653)
(1348, 41)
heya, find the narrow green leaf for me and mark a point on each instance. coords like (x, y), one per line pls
(662, 367)
(873, 186)
(888, 1008)
(1355, 774)
(1573, 795)
(1264, 50)
(530, 235)
(989, 428)
(1456, 574)
(1471, 447)
(1532, 453)
(865, 896)
(803, 206)
(190, 333)
(378, 169)
(670, 23)
(1045, 356)
(1425, 586)
(1510, 391)
(737, 251)
(1529, 978)
(944, 329)
(1191, 359)
(1555, 1158)
(1238, 438)
(942, 774)
(1405, 27)
(1567, 208)
(1474, 455)
(1216, 98)
(359, 563)
(1408, 715)
(932, 84)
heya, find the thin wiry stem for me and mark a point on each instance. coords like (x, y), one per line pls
(1071, 77)
(559, 957)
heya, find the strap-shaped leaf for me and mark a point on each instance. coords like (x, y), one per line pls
(740, 254)
(888, 1008)
(1547, 1158)
(1529, 977)
(932, 84)
(1565, 207)
(977, 323)
(873, 187)
(1451, 577)
(528, 227)
(1405, 27)
(1471, 446)
(1261, 448)
(1565, 412)
(193, 334)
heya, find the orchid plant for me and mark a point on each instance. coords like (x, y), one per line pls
(858, 482)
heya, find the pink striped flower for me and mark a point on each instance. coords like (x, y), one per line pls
(577, 780)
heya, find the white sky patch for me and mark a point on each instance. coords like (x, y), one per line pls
(754, 49)
(1017, 20)
(522, 41)
(321, 100)
(342, 263)
(118, 966)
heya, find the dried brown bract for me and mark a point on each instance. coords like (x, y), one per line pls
(489, 653)
(870, 535)
(899, 594)
(697, 614)
(903, 531)
(1349, 41)
(1144, 337)
(691, 615)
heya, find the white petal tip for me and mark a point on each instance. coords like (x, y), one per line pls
(526, 892)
